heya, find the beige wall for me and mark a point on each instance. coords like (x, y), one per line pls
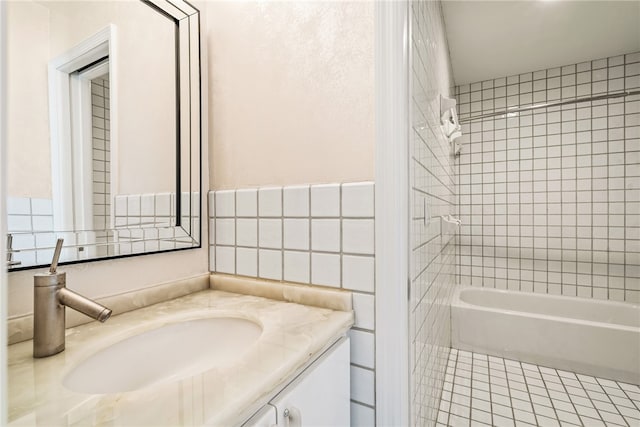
(28, 148)
(292, 92)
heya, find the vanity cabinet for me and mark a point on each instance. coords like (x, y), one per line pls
(319, 396)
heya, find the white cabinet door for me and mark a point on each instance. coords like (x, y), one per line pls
(265, 417)
(320, 396)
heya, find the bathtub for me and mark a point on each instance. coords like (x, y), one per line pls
(587, 336)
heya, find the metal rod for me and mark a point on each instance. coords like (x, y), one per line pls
(550, 104)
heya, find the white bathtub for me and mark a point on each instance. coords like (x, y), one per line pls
(600, 338)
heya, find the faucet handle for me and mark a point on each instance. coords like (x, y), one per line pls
(56, 256)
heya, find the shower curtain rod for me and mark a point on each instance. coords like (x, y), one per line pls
(551, 104)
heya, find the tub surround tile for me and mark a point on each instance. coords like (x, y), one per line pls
(251, 381)
(548, 198)
(432, 191)
(21, 328)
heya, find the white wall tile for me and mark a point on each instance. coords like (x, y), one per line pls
(325, 235)
(41, 206)
(364, 309)
(120, 205)
(362, 385)
(325, 200)
(211, 203)
(18, 206)
(358, 273)
(18, 223)
(270, 202)
(325, 269)
(247, 232)
(247, 202)
(225, 203)
(296, 233)
(225, 259)
(564, 189)
(148, 205)
(296, 201)
(270, 264)
(225, 231)
(42, 223)
(293, 245)
(133, 205)
(362, 348)
(357, 199)
(270, 233)
(362, 416)
(163, 205)
(296, 266)
(358, 236)
(247, 262)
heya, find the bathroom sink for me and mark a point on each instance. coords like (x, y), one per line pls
(171, 352)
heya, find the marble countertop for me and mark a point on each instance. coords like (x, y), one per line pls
(292, 335)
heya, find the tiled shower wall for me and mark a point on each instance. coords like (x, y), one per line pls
(316, 235)
(550, 198)
(432, 264)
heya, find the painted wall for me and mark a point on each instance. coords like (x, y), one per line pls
(28, 148)
(550, 198)
(292, 95)
(433, 194)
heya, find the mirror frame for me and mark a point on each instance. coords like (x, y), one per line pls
(188, 185)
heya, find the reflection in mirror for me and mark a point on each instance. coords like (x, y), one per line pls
(103, 136)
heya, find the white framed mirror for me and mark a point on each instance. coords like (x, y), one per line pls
(104, 138)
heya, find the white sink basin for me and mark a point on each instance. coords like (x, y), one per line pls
(171, 352)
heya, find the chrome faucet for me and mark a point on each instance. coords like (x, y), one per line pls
(50, 298)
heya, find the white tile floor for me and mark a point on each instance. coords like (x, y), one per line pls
(481, 390)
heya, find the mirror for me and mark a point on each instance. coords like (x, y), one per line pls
(103, 138)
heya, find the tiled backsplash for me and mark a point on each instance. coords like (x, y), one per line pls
(432, 263)
(313, 234)
(26, 219)
(550, 198)
(144, 210)
(144, 223)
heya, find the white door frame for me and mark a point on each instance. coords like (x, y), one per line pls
(392, 62)
(65, 129)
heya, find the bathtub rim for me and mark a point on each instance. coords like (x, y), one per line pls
(457, 302)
